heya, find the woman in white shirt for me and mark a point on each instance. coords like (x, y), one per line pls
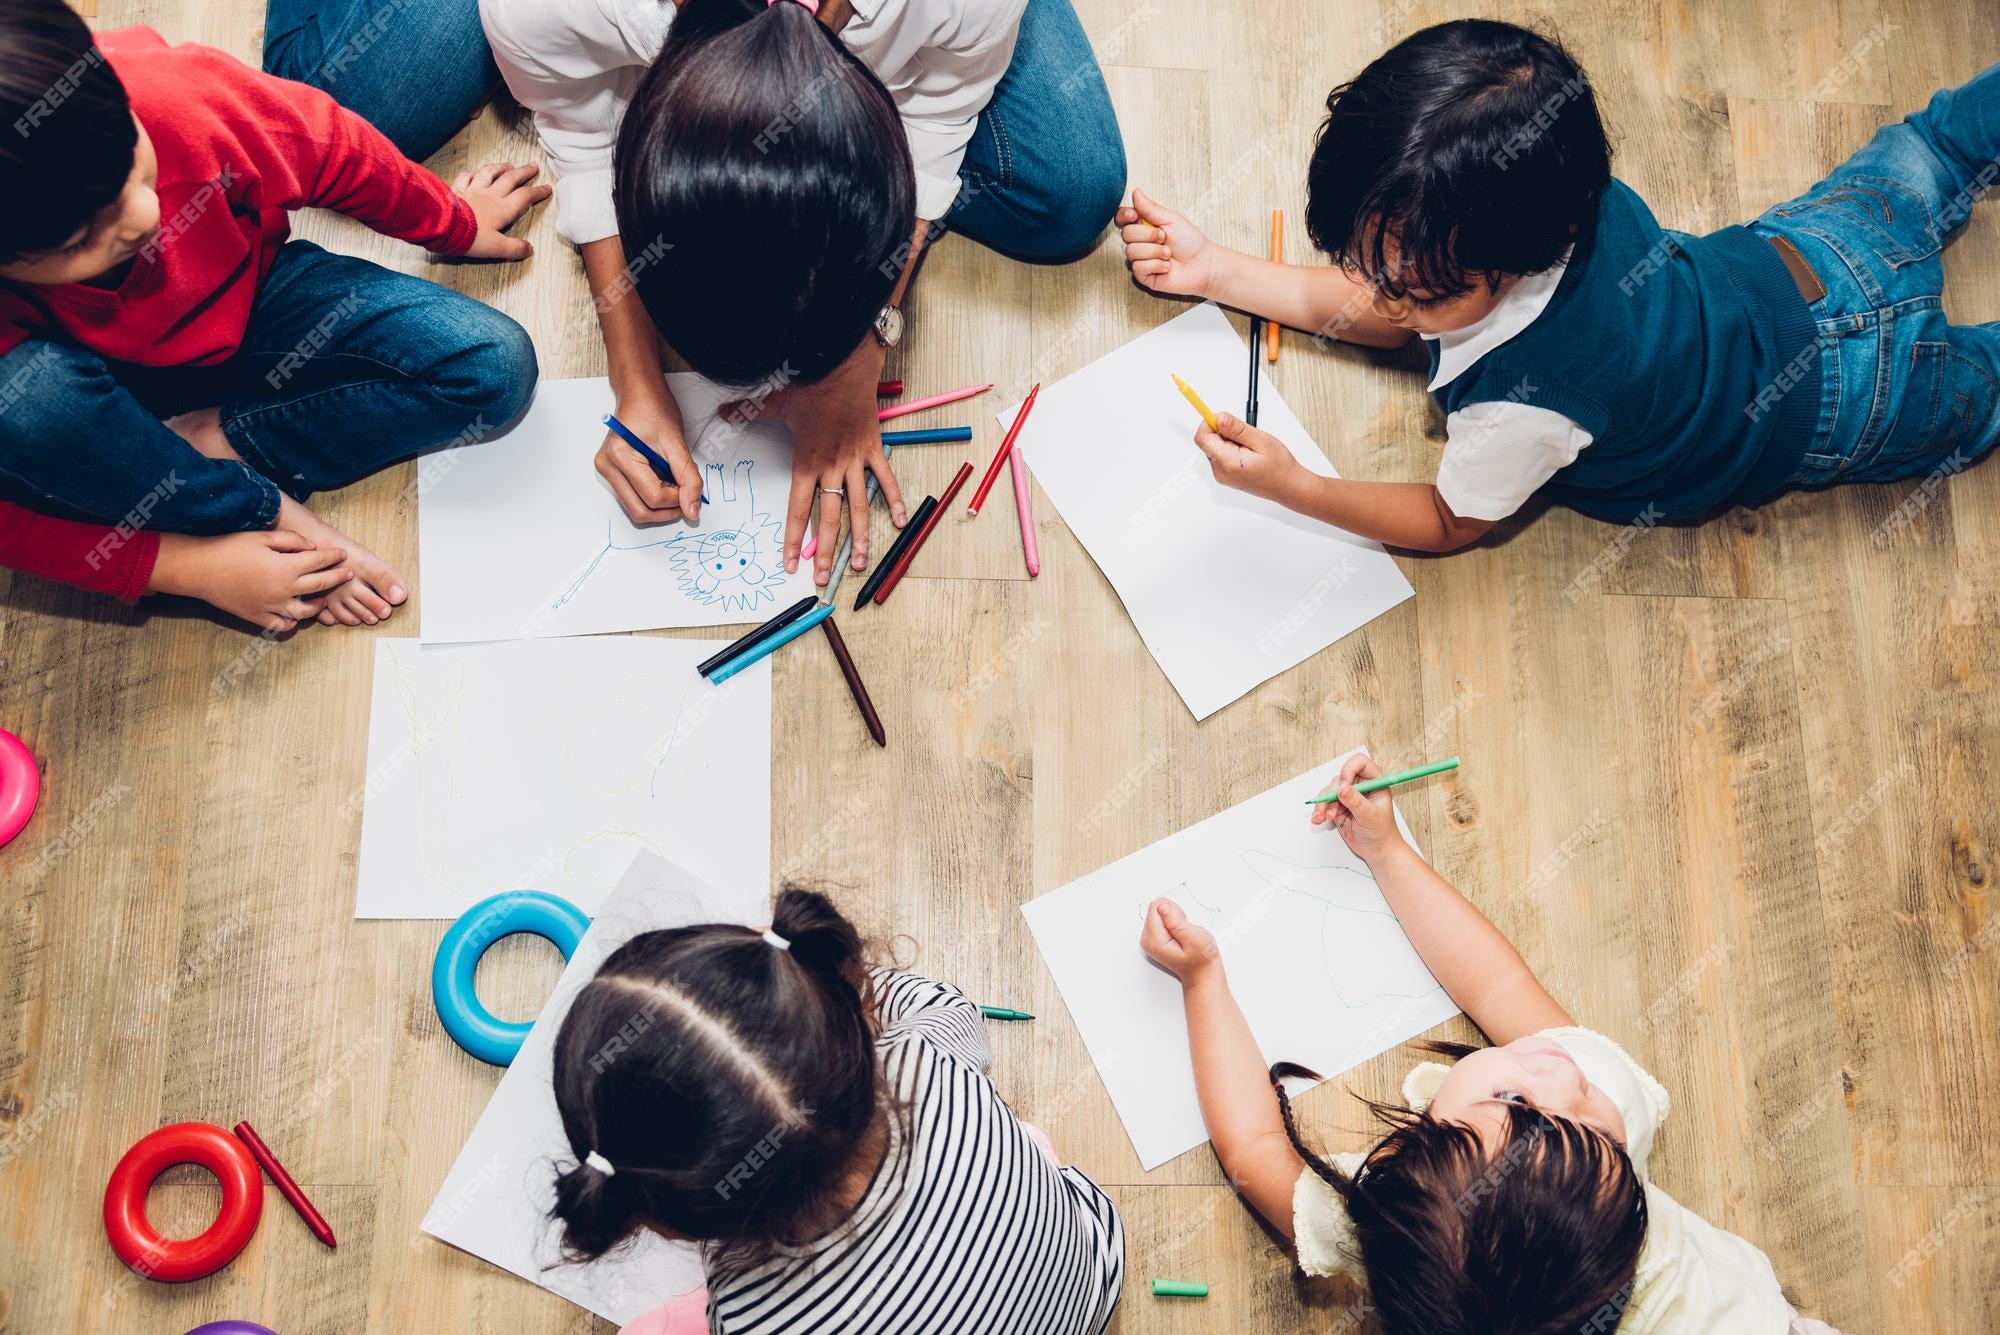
(768, 150)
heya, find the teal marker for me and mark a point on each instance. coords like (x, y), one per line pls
(765, 648)
(1179, 1288)
(1003, 1013)
(1400, 776)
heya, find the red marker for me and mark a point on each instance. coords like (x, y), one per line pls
(1006, 448)
(888, 389)
(897, 571)
(286, 1187)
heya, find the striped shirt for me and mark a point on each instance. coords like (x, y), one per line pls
(968, 1225)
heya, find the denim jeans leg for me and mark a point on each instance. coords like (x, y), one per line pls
(1911, 393)
(347, 367)
(1046, 166)
(414, 69)
(76, 442)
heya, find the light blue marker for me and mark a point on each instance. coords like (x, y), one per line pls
(772, 645)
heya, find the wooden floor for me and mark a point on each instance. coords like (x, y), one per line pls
(1734, 800)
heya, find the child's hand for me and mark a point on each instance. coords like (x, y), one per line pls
(1184, 950)
(499, 194)
(272, 579)
(1367, 823)
(1165, 251)
(1243, 457)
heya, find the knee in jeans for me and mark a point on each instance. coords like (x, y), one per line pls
(1087, 195)
(494, 374)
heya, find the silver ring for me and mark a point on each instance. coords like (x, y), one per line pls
(833, 491)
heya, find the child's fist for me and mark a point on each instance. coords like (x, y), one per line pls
(499, 194)
(1366, 822)
(273, 579)
(1177, 945)
(1165, 251)
(1243, 457)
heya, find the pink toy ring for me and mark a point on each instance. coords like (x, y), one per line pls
(140, 1245)
(20, 785)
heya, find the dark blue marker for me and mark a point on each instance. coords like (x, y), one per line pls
(661, 467)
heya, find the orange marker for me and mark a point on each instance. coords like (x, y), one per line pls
(1273, 331)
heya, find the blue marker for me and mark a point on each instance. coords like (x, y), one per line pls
(936, 435)
(772, 645)
(660, 466)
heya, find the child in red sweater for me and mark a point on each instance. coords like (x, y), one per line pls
(170, 364)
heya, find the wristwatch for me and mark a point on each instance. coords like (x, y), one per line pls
(888, 326)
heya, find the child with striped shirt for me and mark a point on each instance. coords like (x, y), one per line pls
(827, 1134)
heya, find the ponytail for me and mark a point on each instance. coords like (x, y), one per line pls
(717, 1087)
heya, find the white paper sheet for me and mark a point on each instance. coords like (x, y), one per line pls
(1226, 590)
(546, 764)
(495, 1201)
(520, 538)
(1324, 973)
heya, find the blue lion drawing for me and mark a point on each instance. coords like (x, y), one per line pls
(736, 568)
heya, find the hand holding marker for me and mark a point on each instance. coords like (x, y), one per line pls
(1367, 786)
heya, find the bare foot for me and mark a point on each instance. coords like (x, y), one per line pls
(375, 588)
(273, 580)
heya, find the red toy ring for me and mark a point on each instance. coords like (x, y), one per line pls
(20, 785)
(139, 1245)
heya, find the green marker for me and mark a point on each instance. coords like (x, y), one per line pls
(1003, 1013)
(1401, 776)
(1179, 1288)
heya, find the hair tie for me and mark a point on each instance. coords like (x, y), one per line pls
(811, 6)
(600, 1163)
(776, 940)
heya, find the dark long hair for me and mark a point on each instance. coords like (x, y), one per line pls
(67, 151)
(1475, 146)
(763, 172)
(731, 1085)
(1539, 1237)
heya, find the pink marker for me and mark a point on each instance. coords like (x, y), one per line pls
(935, 400)
(808, 547)
(1024, 509)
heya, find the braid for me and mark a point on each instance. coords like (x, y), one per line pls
(1325, 1171)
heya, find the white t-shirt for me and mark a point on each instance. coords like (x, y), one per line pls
(1498, 453)
(577, 63)
(1692, 1275)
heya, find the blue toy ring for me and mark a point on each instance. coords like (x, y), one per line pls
(470, 1024)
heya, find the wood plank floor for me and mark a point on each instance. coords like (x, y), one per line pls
(1734, 802)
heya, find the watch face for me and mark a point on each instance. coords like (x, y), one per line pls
(889, 326)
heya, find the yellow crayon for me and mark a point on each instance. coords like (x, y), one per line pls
(1195, 399)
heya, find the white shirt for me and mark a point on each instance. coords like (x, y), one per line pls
(1498, 453)
(1692, 1276)
(577, 63)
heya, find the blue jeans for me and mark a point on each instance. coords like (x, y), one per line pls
(345, 368)
(1904, 393)
(1046, 167)
(414, 69)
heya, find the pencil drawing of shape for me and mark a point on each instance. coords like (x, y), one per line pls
(521, 539)
(1322, 969)
(735, 567)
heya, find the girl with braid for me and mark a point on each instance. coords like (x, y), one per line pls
(1510, 1196)
(826, 1133)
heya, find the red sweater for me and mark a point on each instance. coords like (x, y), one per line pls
(238, 149)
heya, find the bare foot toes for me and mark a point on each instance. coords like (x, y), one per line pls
(375, 588)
